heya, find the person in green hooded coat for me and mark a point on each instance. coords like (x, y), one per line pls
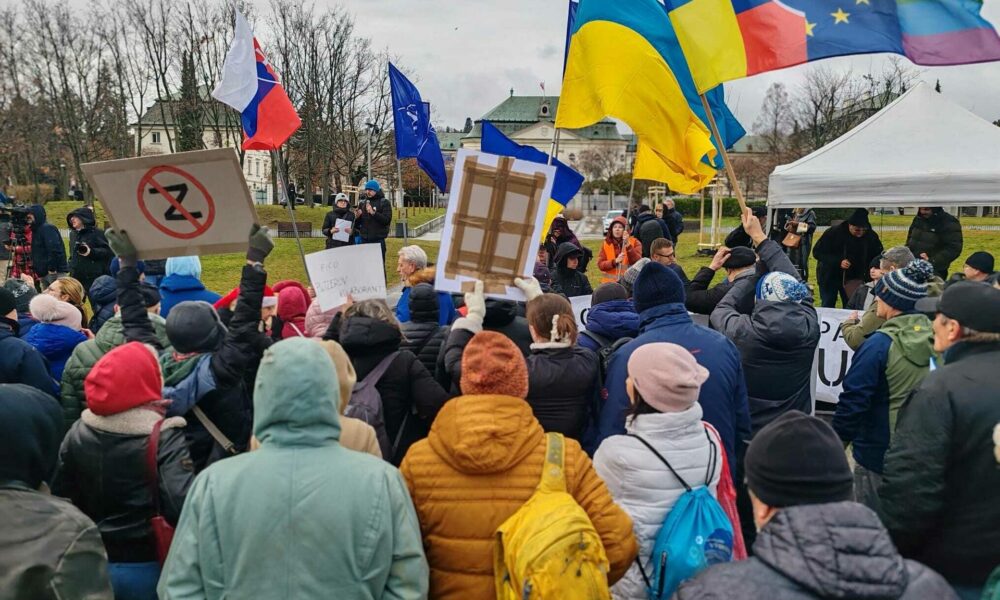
(301, 517)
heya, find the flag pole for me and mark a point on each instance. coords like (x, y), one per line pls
(725, 155)
(402, 201)
(283, 191)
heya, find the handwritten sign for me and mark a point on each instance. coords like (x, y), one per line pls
(833, 359)
(355, 270)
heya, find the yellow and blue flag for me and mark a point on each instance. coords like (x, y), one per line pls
(624, 60)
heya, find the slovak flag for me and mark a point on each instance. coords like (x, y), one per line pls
(250, 85)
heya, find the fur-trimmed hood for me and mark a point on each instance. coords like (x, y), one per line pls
(135, 421)
(425, 275)
(47, 309)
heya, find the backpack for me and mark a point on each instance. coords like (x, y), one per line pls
(606, 350)
(366, 405)
(695, 535)
(549, 548)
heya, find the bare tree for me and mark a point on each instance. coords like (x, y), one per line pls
(776, 119)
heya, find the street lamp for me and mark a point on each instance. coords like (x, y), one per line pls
(62, 181)
(372, 129)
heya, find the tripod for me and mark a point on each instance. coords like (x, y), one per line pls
(20, 253)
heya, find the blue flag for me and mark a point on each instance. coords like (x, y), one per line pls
(567, 182)
(415, 136)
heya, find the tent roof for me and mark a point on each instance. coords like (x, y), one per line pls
(920, 150)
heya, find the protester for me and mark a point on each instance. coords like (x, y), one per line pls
(739, 237)
(978, 267)
(49, 550)
(73, 395)
(567, 279)
(663, 252)
(659, 300)
(374, 215)
(68, 289)
(618, 252)
(105, 464)
(341, 211)
(103, 295)
(935, 236)
(628, 279)
(813, 542)
(777, 340)
(302, 516)
(941, 479)
(182, 282)
(89, 253)
(48, 254)
(611, 317)
(738, 262)
(370, 334)
(482, 461)
(226, 307)
(20, 362)
(318, 320)
(888, 366)
(208, 366)
(292, 306)
(422, 335)
(413, 270)
(664, 424)
(559, 234)
(843, 254)
(801, 222)
(863, 297)
(57, 332)
(23, 290)
(674, 220)
(649, 228)
(287, 283)
(355, 434)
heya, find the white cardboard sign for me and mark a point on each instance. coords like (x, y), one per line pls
(342, 226)
(833, 359)
(581, 306)
(355, 270)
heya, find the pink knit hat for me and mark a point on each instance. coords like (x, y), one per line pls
(666, 376)
(47, 309)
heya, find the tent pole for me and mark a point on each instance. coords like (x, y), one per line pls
(725, 155)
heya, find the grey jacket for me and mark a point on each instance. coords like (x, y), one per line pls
(49, 550)
(777, 342)
(837, 550)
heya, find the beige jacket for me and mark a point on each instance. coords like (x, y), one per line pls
(355, 434)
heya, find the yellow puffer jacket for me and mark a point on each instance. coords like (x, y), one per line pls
(480, 463)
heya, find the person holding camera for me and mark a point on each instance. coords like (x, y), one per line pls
(90, 254)
(48, 255)
(374, 216)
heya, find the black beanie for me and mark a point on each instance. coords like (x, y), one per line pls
(607, 292)
(194, 326)
(981, 261)
(798, 459)
(423, 304)
(739, 257)
(656, 285)
(859, 218)
(23, 293)
(7, 302)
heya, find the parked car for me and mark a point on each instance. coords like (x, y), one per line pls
(610, 216)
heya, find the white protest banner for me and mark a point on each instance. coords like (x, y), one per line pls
(494, 223)
(581, 306)
(181, 204)
(355, 270)
(343, 227)
(833, 358)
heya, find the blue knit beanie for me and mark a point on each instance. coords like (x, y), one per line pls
(656, 285)
(372, 185)
(781, 287)
(902, 288)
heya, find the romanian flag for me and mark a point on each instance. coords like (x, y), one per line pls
(729, 39)
(624, 60)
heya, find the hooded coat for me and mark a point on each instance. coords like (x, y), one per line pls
(314, 537)
(566, 281)
(481, 461)
(56, 343)
(610, 320)
(446, 306)
(642, 485)
(939, 237)
(612, 248)
(49, 550)
(98, 262)
(553, 242)
(48, 254)
(888, 366)
(777, 343)
(819, 551)
(183, 282)
(837, 244)
(103, 297)
(20, 362)
(292, 306)
(421, 333)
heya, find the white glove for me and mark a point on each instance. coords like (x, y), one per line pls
(530, 286)
(475, 302)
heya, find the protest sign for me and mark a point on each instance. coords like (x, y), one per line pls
(343, 227)
(355, 270)
(833, 359)
(494, 223)
(581, 306)
(182, 204)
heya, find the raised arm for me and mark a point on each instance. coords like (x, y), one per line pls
(135, 320)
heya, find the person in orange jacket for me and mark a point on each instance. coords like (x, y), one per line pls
(619, 251)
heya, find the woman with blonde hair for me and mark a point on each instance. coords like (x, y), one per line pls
(70, 290)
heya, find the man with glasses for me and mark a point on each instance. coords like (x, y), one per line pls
(662, 251)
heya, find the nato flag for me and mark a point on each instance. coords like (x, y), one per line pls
(567, 182)
(415, 135)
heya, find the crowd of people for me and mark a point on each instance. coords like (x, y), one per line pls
(190, 444)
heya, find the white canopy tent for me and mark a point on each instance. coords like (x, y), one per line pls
(920, 150)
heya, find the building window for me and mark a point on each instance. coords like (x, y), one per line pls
(156, 137)
(256, 167)
(572, 157)
(545, 110)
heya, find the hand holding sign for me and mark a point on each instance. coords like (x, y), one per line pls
(355, 272)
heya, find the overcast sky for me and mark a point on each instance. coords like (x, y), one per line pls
(467, 54)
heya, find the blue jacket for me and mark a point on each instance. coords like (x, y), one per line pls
(612, 320)
(56, 343)
(446, 307)
(20, 362)
(103, 297)
(175, 289)
(723, 396)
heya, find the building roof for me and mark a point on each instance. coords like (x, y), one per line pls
(519, 112)
(210, 118)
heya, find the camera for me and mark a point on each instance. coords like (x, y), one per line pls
(17, 216)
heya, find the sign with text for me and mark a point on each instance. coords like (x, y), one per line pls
(833, 359)
(355, 270)
(581, 306)
(182, 204)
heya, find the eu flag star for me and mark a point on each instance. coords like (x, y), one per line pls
(868, 2)
(840, 16)
(809, 28)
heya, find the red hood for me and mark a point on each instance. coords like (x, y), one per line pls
(292, 304)
(127, 377)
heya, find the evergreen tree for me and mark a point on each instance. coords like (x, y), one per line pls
(190, 129)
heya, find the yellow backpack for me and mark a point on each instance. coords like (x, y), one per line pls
(549, 548)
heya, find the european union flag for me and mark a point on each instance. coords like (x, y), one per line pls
(567, 182)
(415, 136)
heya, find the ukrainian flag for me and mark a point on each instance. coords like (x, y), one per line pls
(624, 60)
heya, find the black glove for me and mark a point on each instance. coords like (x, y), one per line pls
(261, 244)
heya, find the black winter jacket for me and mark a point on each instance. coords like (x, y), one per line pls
(702, 299)
(939, 236)
(421, 334)
(777, 343)
(48, 255)
(563, 388)
(20, 362)
(834, 246)
(941, 483)
(837, 550)
(102, 470)
(330, 220)
(98, 261)
(648, 229)
(566, 281)
(374, 227)
(408, 390)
